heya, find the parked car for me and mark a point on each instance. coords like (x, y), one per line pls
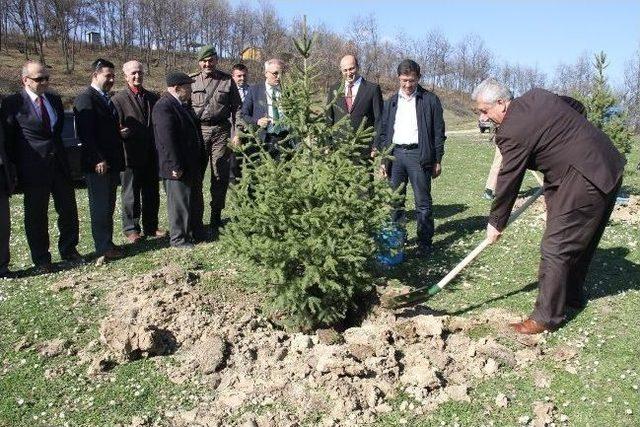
(72, 146)
(485, 125)
(613, 111)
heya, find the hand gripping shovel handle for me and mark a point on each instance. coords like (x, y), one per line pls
(427, 292)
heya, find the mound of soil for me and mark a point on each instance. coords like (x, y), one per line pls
(261, 375)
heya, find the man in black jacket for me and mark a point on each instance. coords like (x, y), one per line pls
(102, 154)
(359, 99)
(180, 147)
(140, 192)
(33, 120)
(6, 188)
(413, 124)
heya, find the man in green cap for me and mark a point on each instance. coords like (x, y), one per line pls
(216, 100)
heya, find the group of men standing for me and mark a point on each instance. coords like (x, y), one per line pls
(135, 137)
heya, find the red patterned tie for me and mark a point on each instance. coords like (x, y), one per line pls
(44, 114)
(348, 99)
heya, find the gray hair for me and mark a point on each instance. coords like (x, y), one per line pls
(273, 61)
(491, 91)
(25, 67)
(129, 64)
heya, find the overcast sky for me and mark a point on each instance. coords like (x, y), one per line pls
(542, 32)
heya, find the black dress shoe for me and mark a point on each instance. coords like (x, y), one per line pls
(576, 305)
(44, 268)
(73, 257)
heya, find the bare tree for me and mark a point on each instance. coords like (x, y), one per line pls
(632, 89)
(63, 22)
(574, 79)
(19, 14)
(363, 34)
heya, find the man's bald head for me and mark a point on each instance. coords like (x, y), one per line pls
(349, 68)
(133, 73)
(35, 77)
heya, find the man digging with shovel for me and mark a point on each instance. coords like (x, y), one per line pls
(582, 175)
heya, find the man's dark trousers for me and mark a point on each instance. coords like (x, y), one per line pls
(182, 211)
(140, 197)
(36, 222)
(406, 167)
(5, 223)
(102, 202)
(568, 245)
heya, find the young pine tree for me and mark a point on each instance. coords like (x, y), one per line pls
(306, 220)
(601, 103)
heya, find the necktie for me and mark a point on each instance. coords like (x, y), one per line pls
(348, 99)
(276, 111)
(44, 114)
(112, 108)
(141, 103)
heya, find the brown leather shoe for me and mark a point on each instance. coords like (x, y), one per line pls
(112, 254)
(133, 237)
(529, 327)
(159, 233)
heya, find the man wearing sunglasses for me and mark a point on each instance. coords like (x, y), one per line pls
(33, 120)
(102, 154)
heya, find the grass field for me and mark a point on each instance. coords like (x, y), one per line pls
(597, 387)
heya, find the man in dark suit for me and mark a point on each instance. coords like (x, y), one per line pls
(7, 180)
(261, 108)
(360, 100)
(413, 125)
(34, 119)
(102, 154)
(180, 147)
(582, 174)
(140, 192)
(239, 74)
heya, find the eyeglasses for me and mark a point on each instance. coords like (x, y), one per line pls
(274, 73)
(39, 79)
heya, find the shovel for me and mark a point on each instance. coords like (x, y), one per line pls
(426, 292)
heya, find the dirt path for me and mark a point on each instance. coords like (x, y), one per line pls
(462, 131)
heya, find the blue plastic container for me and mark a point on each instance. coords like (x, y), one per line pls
(391, 245)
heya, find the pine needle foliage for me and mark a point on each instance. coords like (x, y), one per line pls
(307, 220)
(600, 104)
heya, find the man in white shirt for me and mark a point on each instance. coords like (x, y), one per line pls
(413, 124)
(34, 119)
